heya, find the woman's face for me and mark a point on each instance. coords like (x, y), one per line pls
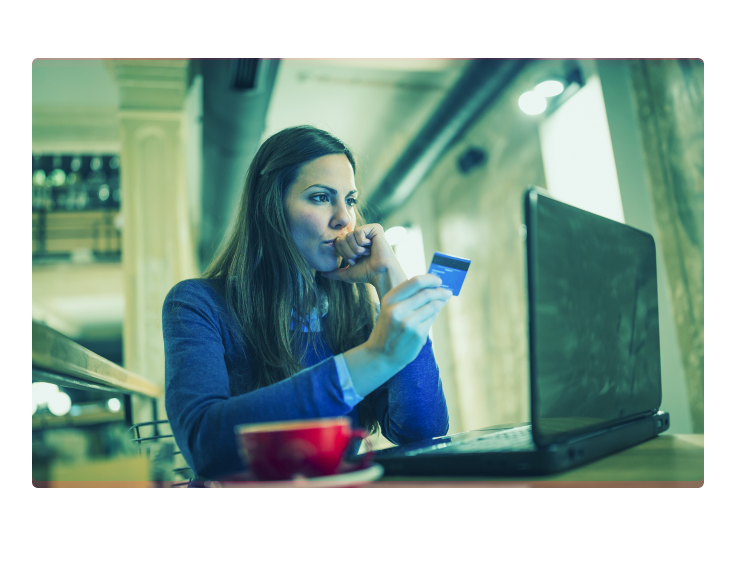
(319, 207)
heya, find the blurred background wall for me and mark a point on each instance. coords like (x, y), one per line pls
(138, 165)
(613, 130)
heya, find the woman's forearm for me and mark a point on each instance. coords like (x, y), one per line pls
(368, 370)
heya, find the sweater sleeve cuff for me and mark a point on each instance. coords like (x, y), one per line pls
(346, 382)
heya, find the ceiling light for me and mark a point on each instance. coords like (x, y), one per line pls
(549, 88)
(113, 404)
(532, 103)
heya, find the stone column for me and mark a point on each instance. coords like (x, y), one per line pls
(158, 250)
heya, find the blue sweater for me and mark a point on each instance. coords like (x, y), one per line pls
(205, 363)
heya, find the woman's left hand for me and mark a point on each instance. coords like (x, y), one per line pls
(368, 254)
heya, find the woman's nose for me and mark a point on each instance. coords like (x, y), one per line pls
(342, 214)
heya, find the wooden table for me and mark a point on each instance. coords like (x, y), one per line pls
(670, 460)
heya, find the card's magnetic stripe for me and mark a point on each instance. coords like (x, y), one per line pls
(451, 263)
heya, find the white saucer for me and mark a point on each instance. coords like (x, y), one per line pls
(349, 478)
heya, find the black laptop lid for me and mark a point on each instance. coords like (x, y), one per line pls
(593, 320)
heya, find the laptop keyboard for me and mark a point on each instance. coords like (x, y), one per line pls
(511, 440)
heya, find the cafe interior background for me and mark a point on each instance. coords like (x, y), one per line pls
(138, 165)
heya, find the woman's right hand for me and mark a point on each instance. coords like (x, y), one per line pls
(407, 312)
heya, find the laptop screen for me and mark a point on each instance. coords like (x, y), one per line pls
(594, 324)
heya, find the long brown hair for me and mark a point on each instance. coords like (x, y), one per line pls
(268, 283)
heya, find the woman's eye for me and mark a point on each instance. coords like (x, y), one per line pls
(321, 198)
(353, 199)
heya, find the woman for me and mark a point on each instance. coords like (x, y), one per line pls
(276, 330)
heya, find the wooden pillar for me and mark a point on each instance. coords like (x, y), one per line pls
(158, 250)
(669, 99)
(633, 167)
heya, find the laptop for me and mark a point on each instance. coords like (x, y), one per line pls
(595, 374)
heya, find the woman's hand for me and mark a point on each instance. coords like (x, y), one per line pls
(407, 312)
(370, 258)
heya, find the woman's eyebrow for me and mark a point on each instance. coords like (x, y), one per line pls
(330, 189)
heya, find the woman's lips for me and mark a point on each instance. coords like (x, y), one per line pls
(330, 243)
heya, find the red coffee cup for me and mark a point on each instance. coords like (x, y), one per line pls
(280, 450)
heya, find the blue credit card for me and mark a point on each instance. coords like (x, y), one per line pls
(450, 269)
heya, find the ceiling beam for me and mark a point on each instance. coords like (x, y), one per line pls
(480, 85)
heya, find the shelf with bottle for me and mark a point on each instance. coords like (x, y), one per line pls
(75, 182)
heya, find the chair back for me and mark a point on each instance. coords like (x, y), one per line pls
(156, 440)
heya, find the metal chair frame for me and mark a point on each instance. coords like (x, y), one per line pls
(156, 437)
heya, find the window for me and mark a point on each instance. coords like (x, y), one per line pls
(578, 156)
